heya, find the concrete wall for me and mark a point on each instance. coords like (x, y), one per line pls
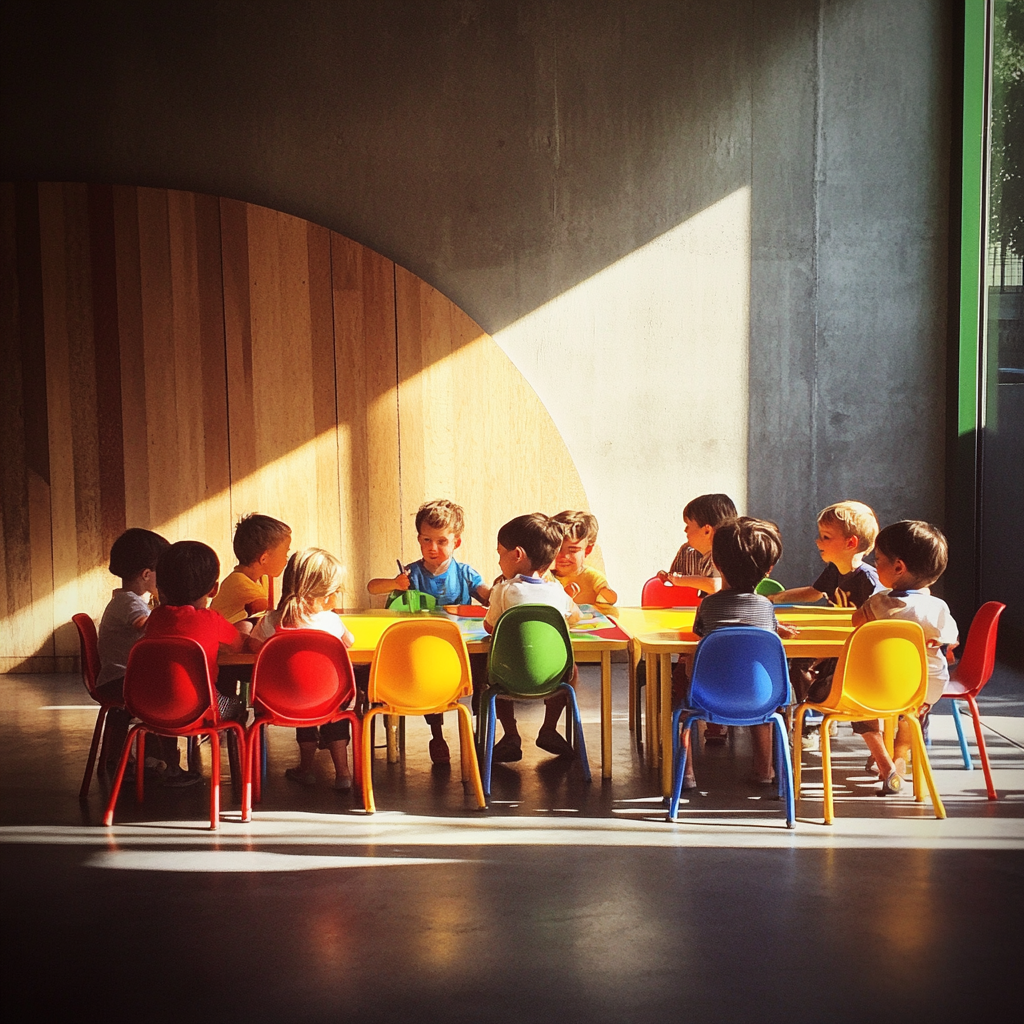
(711, 236)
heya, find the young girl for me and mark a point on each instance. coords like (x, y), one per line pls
(310, 591)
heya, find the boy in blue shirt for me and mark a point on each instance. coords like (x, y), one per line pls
(439, 526)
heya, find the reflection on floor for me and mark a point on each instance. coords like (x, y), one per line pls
(563, 898)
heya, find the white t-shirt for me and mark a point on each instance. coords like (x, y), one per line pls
(117, 635)
(327, 622)
(933, 616)
(526, 590)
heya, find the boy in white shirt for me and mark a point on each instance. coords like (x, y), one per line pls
(527, 546)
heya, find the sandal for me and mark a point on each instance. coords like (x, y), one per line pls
(301, 777)
(508, 748)
(439, 752)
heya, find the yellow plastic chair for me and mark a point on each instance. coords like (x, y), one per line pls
(882, 673)
(421, 667)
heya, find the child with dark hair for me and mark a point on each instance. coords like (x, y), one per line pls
(692, 566)
(744, 551)
(527, 546)
(133, 557)
(261, 546)
(909, 556)
(188, 574)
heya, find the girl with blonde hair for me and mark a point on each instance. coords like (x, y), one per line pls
(311, 589)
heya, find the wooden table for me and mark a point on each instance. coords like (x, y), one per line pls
(658, 633)
(593, 640)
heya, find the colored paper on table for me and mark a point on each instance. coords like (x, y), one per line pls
(466, 611)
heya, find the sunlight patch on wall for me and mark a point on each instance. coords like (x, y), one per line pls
(643, 368)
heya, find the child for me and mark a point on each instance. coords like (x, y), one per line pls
(133, 557)
(693, 565)
(261, 547)
(527, 545)
(310, 591)
(910, 556)
(188, 573)
(439, 526)
(583, 583)
(744, 551)
(846, 534)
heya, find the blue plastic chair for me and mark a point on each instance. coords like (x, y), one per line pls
(530, 659)
(739, 678)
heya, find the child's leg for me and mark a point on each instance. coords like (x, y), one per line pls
(554, 706)
(308, 739)
(876, 745)
(439, 752)
(336, 736)
(761, 741)
(506, 713)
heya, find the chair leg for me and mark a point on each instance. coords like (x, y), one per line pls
(581, 744)
(798, 746)
(255, 759)
(986, 767)
(140, 764)
(965, 752)
(923, 765)
(214, 779)
(122, 764)
(357, 749)
(784, 768)
(487, 708)
(469, 754)
(680, 752)
(367, 754)
(97, 732)
(245, 761)
(826, 768)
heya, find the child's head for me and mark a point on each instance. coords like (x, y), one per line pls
(188, 572)
(745, 550)
(846, 528)
(911, 552)
(528, 541)
(579, 539)
(261, 540)
(703, 516)
(312, 583)
(439, 526)
(134, 552)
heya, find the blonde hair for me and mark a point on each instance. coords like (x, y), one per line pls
(441, 515)
(578, 525)
(855, 519)
(311, 574)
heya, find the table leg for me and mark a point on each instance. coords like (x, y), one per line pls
(665, 672)
(651, 710)
(391, 729)
(606, 714)
(631, 662)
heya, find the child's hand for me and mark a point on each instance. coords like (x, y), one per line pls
(402, 582)
(572, 589)
(788, 632)
(663, 576)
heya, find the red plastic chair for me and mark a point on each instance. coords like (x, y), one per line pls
(90, 672)
(969, 677)
(167, 687)
(302, 677)
(657, 594)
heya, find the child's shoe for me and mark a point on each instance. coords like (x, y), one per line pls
(554, 742)
(343, 782)
(508, 748)
(301, 777)
(175, 778)
(811, 740)
(892, 784)
(439, 752)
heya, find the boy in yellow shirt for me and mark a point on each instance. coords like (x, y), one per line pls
(582, 582)
(261, 546)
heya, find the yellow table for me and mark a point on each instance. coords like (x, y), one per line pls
(368, 626)
(658, 633)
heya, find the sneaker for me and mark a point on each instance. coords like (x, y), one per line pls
(177, 779)
(554, 742)
(811, 740)
(890, 785)
(439, 752)
(689, 782)
(343, 782)
(301, 777)
(508, 748)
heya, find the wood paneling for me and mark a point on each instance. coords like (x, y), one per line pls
(177, 361)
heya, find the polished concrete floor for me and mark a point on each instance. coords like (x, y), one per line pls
(563, 901)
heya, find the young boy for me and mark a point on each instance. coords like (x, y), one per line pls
(693, 565)
(133, 557)
(527, 546)
(744, 551)
(439, 526)
(261, 546)
(910, 556)
(188, 573)
(583, 583)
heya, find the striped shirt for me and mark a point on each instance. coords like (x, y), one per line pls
(733, 608)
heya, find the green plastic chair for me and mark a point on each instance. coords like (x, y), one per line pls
(411, 601)
(530, 659)
(768, 586)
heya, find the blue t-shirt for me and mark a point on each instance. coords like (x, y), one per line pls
(454, 586)
(858, 585)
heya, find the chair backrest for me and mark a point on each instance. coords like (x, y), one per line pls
(739, 675)
(420, 664)
(883, 669)
(167, 683)
(302, 673)
(768, 586)
(979, 658)
(89, 644)
(657, 594)
(411, 601)
(531, 652)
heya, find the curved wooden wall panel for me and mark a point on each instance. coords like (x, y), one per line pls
(175, 361)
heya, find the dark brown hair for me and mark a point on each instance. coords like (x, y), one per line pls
(710, 510)
(135, 551)
(921, 547)
(186, 572)
(578, 525)
(255, 534)
(744, 550)
(538, 535)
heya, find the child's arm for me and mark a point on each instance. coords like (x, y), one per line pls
(261, 604)
(607, 596)
(384, 584)
(483, 594)
(708, 584)
(798, 595)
